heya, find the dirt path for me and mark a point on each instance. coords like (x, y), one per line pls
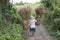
(41, 34)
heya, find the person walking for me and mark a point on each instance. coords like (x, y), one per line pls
(32, 26)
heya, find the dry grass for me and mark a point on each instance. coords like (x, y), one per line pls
(39, 12)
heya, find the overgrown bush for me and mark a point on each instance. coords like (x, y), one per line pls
(52, 17)
(11, 27)
(12, 32)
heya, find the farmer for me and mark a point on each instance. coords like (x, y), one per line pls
(32, 26)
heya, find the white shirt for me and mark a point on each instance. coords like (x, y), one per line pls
(32, 23)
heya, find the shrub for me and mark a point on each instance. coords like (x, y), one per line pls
(52, 17)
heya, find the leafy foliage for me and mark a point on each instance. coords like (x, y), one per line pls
(10, 22)
(52, 16)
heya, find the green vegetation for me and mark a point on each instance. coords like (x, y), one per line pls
(20, 3)
(11, 27)
(52, 17)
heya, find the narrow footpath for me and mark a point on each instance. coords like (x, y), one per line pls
(41, 34)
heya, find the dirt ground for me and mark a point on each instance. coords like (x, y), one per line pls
(41, 34)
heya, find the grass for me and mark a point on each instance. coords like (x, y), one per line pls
(33, 6)
(12, 32)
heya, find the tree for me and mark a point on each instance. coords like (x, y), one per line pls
(20, 3)
(4, 5)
